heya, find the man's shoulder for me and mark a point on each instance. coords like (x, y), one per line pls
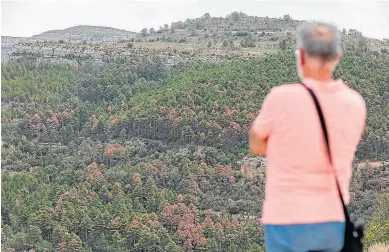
(353, 97)
(284, 90)
(293, 90)
(287, 87)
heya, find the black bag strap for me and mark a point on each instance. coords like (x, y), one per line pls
(325, 133)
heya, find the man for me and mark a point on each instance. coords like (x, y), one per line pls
(302, 210)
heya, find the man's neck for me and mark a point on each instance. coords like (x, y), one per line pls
(320, 79)
(316, 71)
(320, 75)
(328, 85)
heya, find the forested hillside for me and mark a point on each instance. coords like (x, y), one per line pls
(149, 157)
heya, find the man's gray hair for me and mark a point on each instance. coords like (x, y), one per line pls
(320, 40)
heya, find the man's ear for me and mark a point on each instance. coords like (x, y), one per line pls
(340, 55)
(302, 56)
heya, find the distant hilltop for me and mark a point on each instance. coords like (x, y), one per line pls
(7, 40)
(84, 33)
(206, 38)
(81, 34)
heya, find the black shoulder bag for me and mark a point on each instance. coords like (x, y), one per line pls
(354, 231)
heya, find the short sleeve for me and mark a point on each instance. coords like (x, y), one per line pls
(264, 122)
(363, 116)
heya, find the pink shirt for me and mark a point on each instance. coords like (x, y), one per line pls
(300, 185)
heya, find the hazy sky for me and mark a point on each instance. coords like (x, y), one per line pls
(29, 17)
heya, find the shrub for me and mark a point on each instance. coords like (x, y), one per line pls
(379, 247)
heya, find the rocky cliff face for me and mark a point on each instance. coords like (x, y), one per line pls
(79, 54)
(6, 45)
(72, 45)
